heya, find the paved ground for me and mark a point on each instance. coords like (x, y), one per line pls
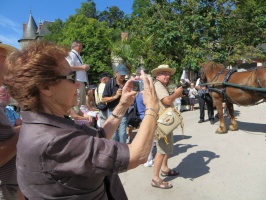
(211, 166)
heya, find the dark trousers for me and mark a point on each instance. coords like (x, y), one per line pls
(208, 100)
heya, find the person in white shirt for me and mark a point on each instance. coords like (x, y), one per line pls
(104, 78)
(75, 61)
(192, 95)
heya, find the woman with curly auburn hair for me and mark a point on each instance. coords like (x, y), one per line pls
(36, 67)
(57, 159)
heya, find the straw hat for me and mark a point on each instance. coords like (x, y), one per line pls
(163, 68)
(9, 48)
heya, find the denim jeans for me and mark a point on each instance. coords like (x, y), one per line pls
(120, 135)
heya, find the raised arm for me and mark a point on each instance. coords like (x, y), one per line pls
(140, 147)
(171, 98)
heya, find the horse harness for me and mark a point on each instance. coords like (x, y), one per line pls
(225, 84)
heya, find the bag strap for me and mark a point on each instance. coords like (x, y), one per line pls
(112, 84)
(135, 111)
(77, 57)
(182, 122)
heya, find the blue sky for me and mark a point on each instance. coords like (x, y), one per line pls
(15, 12)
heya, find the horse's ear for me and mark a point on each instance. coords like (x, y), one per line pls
(200, 64)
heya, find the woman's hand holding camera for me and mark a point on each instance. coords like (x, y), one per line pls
(149, 95)
(127, 94)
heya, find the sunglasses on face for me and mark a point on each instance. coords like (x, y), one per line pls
(71, 77)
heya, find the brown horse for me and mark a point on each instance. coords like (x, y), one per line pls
(241, 88)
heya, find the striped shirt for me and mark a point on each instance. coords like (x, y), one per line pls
(8, 175)
(6, 129)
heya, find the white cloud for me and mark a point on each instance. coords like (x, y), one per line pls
(10, 40)
(11, 31)
(9, 24)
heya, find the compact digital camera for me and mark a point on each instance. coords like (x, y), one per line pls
(138, 85)
(185, 90)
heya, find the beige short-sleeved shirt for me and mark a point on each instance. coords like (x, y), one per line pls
(162, 147)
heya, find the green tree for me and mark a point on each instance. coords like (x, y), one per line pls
(88, 9)
(55, 31)
(138, 6)
(177, 32)
(249, 29)
(131, 50)
(186, 32)
(112, 16)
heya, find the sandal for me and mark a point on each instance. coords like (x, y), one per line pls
(171, 172)
(161, 184)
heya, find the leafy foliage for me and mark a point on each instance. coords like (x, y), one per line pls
(88, 9)
(180, 33)
(112, 16)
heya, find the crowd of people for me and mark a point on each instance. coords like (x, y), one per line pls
(68, 146)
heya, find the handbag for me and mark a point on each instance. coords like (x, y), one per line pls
(168, 120)
(133, 118)
(101, 106)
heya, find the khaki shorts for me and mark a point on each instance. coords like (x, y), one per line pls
(164, 148)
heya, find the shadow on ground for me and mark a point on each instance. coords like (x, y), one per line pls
(194, 165)
(178, 148)
(245, 126)
(180, 137)
(252, 127)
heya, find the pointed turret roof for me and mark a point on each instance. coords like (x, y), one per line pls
(33, 32)
(30, 30)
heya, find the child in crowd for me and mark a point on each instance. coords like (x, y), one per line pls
(192, 95)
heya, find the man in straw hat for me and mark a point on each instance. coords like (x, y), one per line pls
(5, 50)
(8, 139)
(162, 74)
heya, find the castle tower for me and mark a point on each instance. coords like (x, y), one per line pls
(33, 32)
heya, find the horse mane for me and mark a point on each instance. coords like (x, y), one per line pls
(212, 66)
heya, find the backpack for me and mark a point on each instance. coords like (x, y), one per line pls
(133, 117)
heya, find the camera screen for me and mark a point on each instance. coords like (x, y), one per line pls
(138, 85)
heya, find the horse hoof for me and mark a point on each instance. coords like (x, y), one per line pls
(220, 132)
(231, 128)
